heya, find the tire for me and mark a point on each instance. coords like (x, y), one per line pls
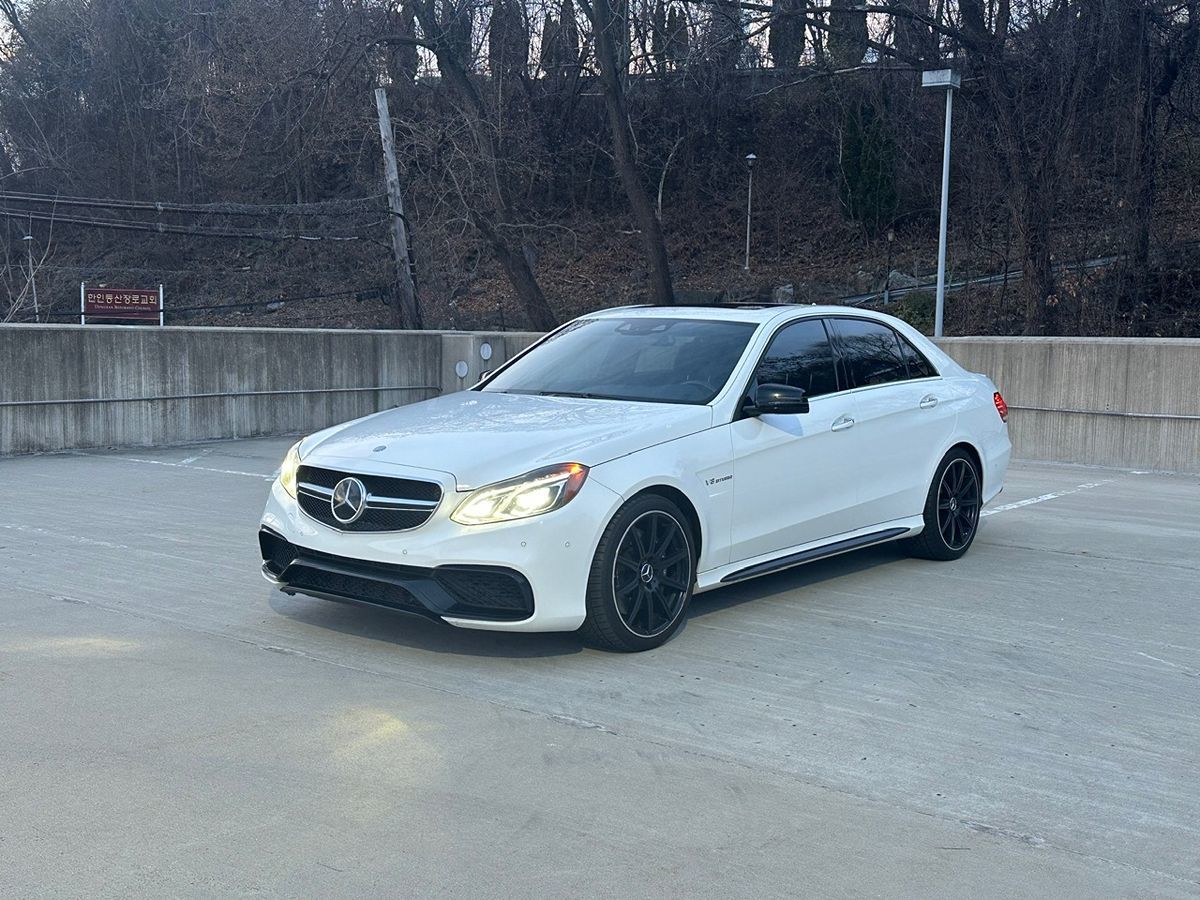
(642, 577)
(951, 510)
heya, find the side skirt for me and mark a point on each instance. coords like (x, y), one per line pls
(814, 553)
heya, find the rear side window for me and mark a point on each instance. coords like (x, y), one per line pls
(870, 351)
(800, 356)
(918, 365)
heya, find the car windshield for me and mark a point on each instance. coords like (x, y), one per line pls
(659, 360)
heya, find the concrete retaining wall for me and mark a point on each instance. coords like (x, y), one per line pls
(1131, 403)
(1125, 402)
(69, 386)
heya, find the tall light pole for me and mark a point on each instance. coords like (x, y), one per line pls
(750, 159)
(28, 239)
(949, 80)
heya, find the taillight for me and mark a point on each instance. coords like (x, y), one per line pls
(1001, 406)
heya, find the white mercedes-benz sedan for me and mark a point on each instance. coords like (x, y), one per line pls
(636, 456)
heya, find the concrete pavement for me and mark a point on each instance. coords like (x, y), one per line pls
(1023, 722)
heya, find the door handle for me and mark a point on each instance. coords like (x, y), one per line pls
(841, 423)
(929, 401)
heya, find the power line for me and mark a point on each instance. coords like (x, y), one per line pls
(349, 206)
(103, 268)
(189, 230)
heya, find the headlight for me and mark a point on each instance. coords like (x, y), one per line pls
(287, 471)
(527, 495)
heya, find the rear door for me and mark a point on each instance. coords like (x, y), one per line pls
(903, 421)
(794, 474)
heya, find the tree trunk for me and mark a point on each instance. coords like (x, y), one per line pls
(1141, 213)
(524, 282)
(1031, 193)
(1155, 85)
(604, 22)
(1037, 279)
(512, 259)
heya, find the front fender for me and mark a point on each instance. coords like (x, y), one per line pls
(698, 466)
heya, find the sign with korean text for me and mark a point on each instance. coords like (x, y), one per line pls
(132, 304)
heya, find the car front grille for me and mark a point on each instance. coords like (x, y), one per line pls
(353, 587)
(393, 504)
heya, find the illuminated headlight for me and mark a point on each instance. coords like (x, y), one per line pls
(532, 494)
(287, 471)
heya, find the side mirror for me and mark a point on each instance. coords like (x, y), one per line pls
(775, 399)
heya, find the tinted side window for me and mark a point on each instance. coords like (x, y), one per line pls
(870, 351)
(918, 365)
(800, 356)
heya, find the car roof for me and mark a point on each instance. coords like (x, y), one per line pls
(748, 313)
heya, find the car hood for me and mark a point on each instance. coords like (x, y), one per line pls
(480, 437)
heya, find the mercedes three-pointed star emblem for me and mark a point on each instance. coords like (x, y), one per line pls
(349, 500)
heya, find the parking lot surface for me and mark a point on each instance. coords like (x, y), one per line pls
(1023, 722)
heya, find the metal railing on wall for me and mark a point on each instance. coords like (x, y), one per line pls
(219, 395)
(1109, 412)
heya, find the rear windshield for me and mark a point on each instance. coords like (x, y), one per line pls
(657, 360)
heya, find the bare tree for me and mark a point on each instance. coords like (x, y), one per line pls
(608, 28)
(847, 33)
(20, 269)
(1157, 45)
(786, 37)
(522, 136)
(494, 213)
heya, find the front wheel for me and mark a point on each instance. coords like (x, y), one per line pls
(642, 577)
(951, 510)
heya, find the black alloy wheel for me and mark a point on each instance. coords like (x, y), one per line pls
(642, 576)
(952, 508)
(651, 573)
(958, 504)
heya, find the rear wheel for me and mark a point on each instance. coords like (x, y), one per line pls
(642, 576)
(951, 510)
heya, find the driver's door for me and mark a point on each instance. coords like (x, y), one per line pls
(794, 478)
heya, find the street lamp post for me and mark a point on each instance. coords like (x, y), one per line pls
(32, 278)
(949, 80)
(750, 159)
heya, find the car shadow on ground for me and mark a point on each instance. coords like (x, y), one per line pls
(808, 576)
(419, 633)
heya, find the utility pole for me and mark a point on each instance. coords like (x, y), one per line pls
(410, 313)
(948, 80)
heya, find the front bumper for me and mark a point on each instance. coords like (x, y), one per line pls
(527, 575)
(469, 592)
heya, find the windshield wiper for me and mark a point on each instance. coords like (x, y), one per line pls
(581, 394)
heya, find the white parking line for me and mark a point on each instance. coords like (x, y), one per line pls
(186, 465)
(1044, 497)
(1167, 662)
(199, 456)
